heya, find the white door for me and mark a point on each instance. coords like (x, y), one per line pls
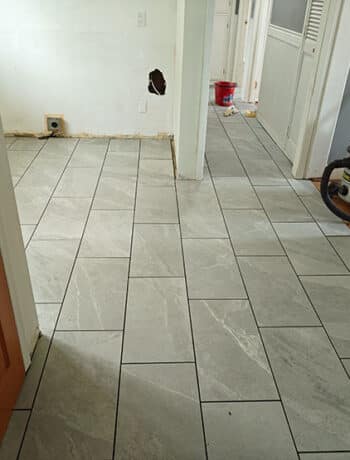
(221, 39)
(307, 69)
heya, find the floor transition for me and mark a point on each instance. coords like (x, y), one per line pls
(189, 320)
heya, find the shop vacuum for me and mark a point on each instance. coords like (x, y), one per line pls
(337, 189)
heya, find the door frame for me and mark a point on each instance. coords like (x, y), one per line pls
(15, 262)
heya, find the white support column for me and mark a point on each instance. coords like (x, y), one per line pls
(194, 37)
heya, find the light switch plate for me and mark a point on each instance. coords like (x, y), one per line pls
(142, 18)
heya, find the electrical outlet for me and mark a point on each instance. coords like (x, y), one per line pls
(142, 18)
(55, 123)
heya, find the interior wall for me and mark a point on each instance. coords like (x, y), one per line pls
(87, 60)
(341, 139)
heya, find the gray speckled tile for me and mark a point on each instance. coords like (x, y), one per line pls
(252, 234)
(75, 408)
(157, 325)
(96, 295)
(318, 209)
(107, 234)
(231, 361)
(200, 214)
(211, 269)
(64, 218)
(121, 164)
(9, 140)
(156, 172)
(308, 249)
(27, 143)
(159, 414)
(10, 445)
(156, 204)
(303, 187)
(346, 363)
(282, 204)
(330, 296)
(55, 147)
(342, 246)
(326, 456)
(224, 164)
(50, 264)
(156, 250)
(263, 171)
(84, 157)
(15, 180)
(124, 145)
(27, 232)
(115, 193)
(31, 202)
(156, 149)
(19, 160)
(334, 228)
(47, 315)
(78, 183)
(275, 292)
(236, 193)
(314, 387)
(247, 431)
(218, 141)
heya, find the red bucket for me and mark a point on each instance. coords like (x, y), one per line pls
(224, 92)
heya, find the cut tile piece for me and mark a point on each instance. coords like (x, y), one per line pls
(342, 246)
(96, 295)
(236, 193)
(231, 361)
(326, 456)
(303, 187)
(156, 250)
(156, 172)
(159, 413)
(247, 431)
(78, 183)
(330, 296)
(11, 443)
(115, 193)
(334, 228)
(212, 271)
(50, 264)
(27, 143)
(27, 232)
(47, 315)
(157, 325)
(58, 147)
(308, 249)
(282, 204)
(225, 164)
(124, 145)
(156, 149)
(318, 209)
(200, 214)
(19, 160)
(9, 140)
(78, 422)
(156, 204)
(314, 387)
(275, 292)
(64, 218)
(107, 234)
(252, 234)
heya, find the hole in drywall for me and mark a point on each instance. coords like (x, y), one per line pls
(157, 83)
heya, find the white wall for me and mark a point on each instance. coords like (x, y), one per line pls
(88, 60)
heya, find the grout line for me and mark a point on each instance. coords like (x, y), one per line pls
(238, 401)
(144, 363)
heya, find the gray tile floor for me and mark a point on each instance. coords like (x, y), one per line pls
(181, 320)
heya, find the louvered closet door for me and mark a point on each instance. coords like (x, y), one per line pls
(307, 69)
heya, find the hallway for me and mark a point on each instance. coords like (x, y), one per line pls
(181, 320)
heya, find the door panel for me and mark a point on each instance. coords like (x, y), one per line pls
(11, 362)
(220, 42)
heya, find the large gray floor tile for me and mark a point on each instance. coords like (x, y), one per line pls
(263, 171)
(156, 172)
(27, 143)
(47, 315)
(334, 228)
(342, 246)
(225, 164)
(9, 140)
(346, 363)
(107, 234)
(64, 218)
(247, 431)
(231, 360)
(58, 147)
(96, 295)
(156, 204)
(159, 415)
(115, 193)
(236, 193)
(211, 269)
(282, 204)
(15, 180)
(309, 250)
(27, 232)
(121, 164)
(200, 214)
(218, 142)
(326, 456)
(78, 183)
(10, 445)
(314, 387)
(330, 296)
(156, 149)
(31, 202)
(252, 234)
(19, 160)
(303, 187)
(50, 264)
(318, 209)
(156, 250)
(124, 145)
(275, 292)
(157, 324)
(75, 408)
(87, 157)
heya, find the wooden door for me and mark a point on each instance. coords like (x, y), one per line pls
(11, 362)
